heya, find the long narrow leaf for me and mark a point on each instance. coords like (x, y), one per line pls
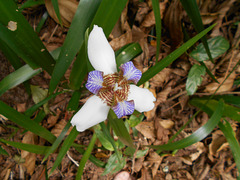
(27, 147)
(25, 122)
(86, 156)
(56, 9)
(198, 135)
(233, 142)
(156, 10)
(17, 33)
(74, 40)
(171, 57)
(17, 77)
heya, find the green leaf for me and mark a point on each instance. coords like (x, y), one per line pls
(194, 78)
(134, 120)
(86, 156)
(57, 141)
(120, 129)
(127, 53)
(17, 77)
(3, 152)
(209, 106)
(38, 94)
(157, 15)
(31, 3)
(198, 135)
(233, 142)
(102, 138)
(25, 122)
(17, 33)
(218, 45)
(171, 57)
(113, 165)
(230, 99)
(42, 21)
(27, 147)
(56, 9)
(193, 12)
(74, 101)
(74, 40)
(65, 147)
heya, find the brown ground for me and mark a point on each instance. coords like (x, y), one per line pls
(208, 159)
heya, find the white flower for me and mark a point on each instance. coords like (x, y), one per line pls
(111, 88)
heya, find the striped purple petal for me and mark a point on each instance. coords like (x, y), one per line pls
(130, 72)
(94, 82)
(123, 108)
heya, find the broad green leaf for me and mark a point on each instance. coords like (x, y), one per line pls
(74, 101)
(3, 152)
(86, 156)
(39, 94)
(17, 33)
(134, 120)
(140, 153)
(74, 40)
(218, 45)
(65, 147)
(209, 106)
(113, 164)
(110, 139)
(172, 57)
(120, 129)
(158, 24)
(25, 122)
(27, 147)
(198, 135)
(102, 138)
(194, 78)
(193, 12)
(127, 53)
(17, 77)
(233, 142)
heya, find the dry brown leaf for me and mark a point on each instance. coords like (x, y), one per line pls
(167, 124)
(226, 86)
(163, 95)
(122, 40)
(67, 9)
(21, 107)
(217, 141)
(30, 158)
(52, 119)
(200, 149)
(155, 160)
(59, 127)
(162, 77)
(138, 164)
(146, 129)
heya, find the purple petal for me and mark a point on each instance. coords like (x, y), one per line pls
(94, 82)
(130, 72)
(123, 108)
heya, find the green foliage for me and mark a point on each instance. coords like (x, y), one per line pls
(194, 78)
(218, 45)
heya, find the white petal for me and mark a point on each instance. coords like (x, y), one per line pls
(93, 112)
(100, 53)
(143, 98)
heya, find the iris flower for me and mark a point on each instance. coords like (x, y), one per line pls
(111, 89)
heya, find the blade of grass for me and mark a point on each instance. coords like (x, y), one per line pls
(31, 3)
(56, 9)
(65, 147)
(17, 33)
(193, 12)
(2, 151)
(158, 24)
(171, 57)
(198, 135)
(233, 142)
(42, 21)
(74, 40)
(27, 147)
(25, 122)
(17, 77)
(86, 156)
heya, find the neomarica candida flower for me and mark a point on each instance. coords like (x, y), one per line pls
(111, 89)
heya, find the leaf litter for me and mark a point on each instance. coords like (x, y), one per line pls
(209, 159)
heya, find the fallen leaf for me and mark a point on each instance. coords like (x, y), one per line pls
(146, 129)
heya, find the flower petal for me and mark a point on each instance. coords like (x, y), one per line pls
(130, 72)
(100, 53)
(94, 82)
(143, 98)
(123, 108)
(93, 112)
